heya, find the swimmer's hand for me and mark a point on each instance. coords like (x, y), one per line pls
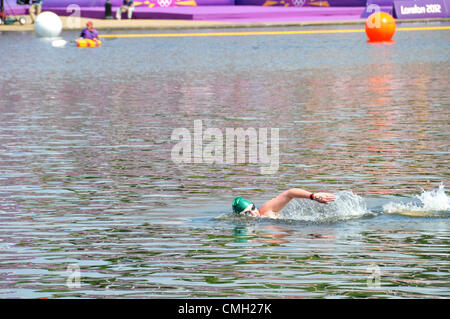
(324, 198)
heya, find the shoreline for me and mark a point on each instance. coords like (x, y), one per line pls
(154, 24)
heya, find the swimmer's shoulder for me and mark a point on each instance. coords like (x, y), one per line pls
(268, 213)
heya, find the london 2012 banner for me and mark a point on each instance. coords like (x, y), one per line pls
(419, 9)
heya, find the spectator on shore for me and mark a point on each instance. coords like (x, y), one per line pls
(35, 9)
(89, 32)
(128, 7)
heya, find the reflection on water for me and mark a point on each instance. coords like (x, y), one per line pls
(86, 177)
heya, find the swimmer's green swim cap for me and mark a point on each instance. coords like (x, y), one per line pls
(240, 204)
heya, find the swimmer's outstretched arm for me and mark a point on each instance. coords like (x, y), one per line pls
(278, 203)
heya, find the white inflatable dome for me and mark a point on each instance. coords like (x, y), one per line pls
(48, 25)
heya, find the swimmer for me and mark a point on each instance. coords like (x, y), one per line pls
(271, 208)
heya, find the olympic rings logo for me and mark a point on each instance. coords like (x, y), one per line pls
(164, 3)
(298, 3)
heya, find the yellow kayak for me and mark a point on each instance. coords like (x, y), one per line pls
(82, 43)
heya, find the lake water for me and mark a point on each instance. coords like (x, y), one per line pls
(88, 188)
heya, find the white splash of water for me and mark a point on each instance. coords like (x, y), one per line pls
(428, 201)
(346, 206)
(59, 43)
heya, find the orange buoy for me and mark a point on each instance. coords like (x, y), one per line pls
(380, 26)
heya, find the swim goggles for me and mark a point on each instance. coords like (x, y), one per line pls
(247, 213)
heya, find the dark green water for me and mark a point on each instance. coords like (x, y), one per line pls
(88, 186)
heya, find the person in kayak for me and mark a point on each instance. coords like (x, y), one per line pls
(89, 32)
(271, 208)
